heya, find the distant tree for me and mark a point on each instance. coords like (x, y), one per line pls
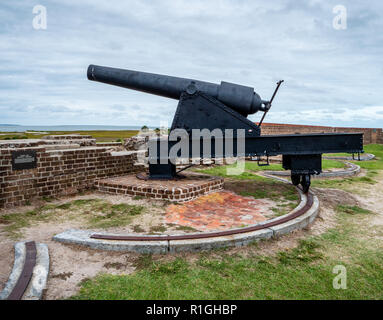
(144, 128)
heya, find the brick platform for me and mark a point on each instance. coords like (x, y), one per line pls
(217, 211)
(191, 187)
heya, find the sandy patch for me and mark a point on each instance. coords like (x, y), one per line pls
(372, 199)
(6, 260)
(71, 264)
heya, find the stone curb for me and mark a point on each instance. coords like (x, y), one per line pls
(16, 270)
(352, 169)
(39, 279)
(82, 237)
(365, 157)
(236, 240)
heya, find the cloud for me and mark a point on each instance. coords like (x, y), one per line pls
(330, 75)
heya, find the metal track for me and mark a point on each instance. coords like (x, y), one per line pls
(296, 214)
(26, 273)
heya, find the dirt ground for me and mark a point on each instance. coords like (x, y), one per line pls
(70, 265)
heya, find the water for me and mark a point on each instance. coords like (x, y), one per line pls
(16, 128)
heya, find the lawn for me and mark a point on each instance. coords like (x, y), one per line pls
(355, 184)
(252, 167)
(350, 184)
(303, 272)
(375, 164)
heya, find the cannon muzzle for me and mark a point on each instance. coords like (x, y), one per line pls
(240, 98)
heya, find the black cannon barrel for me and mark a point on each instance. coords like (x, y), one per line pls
(240, 98)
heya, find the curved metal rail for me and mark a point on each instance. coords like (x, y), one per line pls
(27, 272)
(287, 218)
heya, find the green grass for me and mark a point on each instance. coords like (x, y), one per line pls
(375, 164)
(347, 184)
(221, 171)
(270, 191)
(138, 229)
(186, 228)
(114, 215)
(158, 229)
(96, 213)
(352, 209)
(13, 223)
(352, 184)
(284, 208)
(144, 261)
(376, 149)
(326, 164)
(337, 154)
(304, 272)
(252, 166)
(331, 164)
(305, 252)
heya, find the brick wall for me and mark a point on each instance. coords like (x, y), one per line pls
(109, 144)
(59, 172)
(380, 137)
(370, 135)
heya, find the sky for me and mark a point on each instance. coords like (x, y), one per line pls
(333, 76)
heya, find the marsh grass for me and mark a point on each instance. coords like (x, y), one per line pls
(100, 135)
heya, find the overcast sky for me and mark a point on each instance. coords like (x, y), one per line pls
(332, 77)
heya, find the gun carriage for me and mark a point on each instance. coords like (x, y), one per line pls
(205, 105)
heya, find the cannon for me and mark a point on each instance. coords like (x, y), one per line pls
(204, 105)
(240, 98)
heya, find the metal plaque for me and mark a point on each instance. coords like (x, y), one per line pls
(22, 160)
